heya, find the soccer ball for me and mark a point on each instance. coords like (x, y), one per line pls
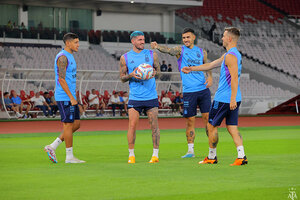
(144, 71)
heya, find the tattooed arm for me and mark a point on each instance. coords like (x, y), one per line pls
(156, 65)
(209, 79)
(62, 64)
(175, 51)
(124, 76)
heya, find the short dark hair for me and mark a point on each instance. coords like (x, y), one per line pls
(188, 30)
(233, 30)
(6, 93)
(69, 36)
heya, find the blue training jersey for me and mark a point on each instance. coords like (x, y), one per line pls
(60, 94)
(223, 93)
(140, 90)
(193, 81)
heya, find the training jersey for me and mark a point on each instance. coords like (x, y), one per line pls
(223, 93)
(60, 94)
(193, 81)
(140, 90)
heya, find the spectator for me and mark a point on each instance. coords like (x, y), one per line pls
(125, 100)
(94, 102)
(169, 68)
(22, 26)
(15, 25)
(166, 101)
(163, 67)
(211, 31)
(178, 103)
(53, 105)
(40, 103)
(9, 25)
(19, 104)
(10, 105)
(115, 102)
(83, 105)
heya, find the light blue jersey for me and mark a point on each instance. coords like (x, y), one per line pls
(223, 93)
(193, 81)
(60, 94)
(140, 90)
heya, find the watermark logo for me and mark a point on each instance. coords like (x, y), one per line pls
(292, 194)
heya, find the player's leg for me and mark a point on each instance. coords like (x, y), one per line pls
(97, 109)
(134, 116)
(153, 121)
(204, 103)
(189, 112)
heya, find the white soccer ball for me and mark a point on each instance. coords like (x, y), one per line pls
(144, 71)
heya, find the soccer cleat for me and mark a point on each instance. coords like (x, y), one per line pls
(51, 153)
(209, 161)
(154, 159)
(131, 159)
(188, 155)
(74, 160)
(240, 161)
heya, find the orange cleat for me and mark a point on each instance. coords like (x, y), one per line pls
(209, 161)
(154, 159)
(240, 161)
(131, 159)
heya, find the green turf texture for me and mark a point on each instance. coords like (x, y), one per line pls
(273, 154)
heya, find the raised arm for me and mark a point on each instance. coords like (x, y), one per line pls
(124, 76)
(175, 51)
(62, 64)
(204, 67)
(231, 63)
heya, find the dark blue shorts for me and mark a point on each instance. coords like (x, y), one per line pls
(68, 112)
(141, 106)
(193, 99)
(220, 110)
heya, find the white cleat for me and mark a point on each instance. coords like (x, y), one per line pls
(74, 160)
(51, 153)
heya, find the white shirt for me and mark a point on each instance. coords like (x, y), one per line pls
(38, 101)
(114, 99)
(95, 101)
(125, 100)
(166, 101)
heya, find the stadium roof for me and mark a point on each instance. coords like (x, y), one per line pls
(148, 6)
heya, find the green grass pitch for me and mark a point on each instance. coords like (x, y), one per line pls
(273, 154)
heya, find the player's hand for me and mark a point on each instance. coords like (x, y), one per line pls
(154, 45)
(73, 102)
(233, 105)
(209, 82)
(186, 70)
(134, 75)
(154, 73)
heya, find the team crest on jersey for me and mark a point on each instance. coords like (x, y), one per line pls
(147, 58)
(132, 62)
(198, 54)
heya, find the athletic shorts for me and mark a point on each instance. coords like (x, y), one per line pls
(193, 99)
(220, 110)
(141, 106)
(68, 112)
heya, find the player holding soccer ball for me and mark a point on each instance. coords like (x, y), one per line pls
(142, 94)
(194, 85)
(227, 98)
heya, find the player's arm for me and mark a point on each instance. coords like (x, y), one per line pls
(209, 79)
(124, 76)
(231, 63)
(204, 67)
(62, 64)
(175, 51)
(156, 65)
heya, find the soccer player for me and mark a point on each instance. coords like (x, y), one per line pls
(142, 94)
(194, 86)
(65, 96)
(227, 98)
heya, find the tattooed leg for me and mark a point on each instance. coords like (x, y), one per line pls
(133, 122)
(190, 129)
(213, 137)
(235, 134)
(153, 120)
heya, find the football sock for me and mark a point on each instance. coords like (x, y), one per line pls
(56, 143)
(131, 152)
(69, 153)
(240, 151)
(155, 152)
(191, 147)
(212, 153)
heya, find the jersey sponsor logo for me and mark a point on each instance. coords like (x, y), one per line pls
(147, 58)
